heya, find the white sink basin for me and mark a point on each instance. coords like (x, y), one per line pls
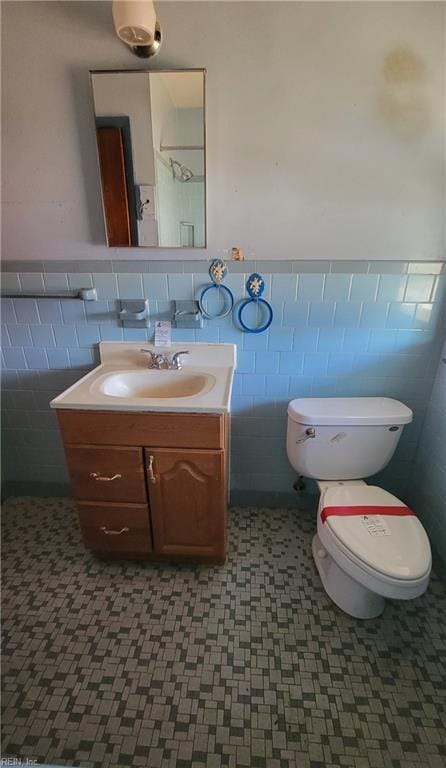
(154, 384)
(123, 382)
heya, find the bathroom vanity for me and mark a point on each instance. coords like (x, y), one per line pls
(149, 464)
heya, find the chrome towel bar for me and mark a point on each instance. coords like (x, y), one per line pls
(84, 294)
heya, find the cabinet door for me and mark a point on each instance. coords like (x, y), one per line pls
(187, 502)
(107, 473)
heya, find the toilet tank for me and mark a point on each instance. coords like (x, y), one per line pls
(344, 438)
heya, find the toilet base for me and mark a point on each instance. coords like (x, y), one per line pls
(350, 596)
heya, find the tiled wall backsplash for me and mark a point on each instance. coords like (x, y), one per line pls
(340, 329)
(427, 489)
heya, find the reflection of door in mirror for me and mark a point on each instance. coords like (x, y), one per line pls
(116, 167)
(151, 147)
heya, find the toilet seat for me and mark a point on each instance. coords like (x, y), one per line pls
(394, 545)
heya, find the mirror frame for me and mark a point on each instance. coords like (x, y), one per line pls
(153, 72)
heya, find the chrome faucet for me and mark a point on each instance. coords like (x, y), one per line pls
(163, 362)
(176, 360)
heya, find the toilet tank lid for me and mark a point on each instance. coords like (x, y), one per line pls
(349, 411)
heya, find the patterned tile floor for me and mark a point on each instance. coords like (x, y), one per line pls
(112, 664)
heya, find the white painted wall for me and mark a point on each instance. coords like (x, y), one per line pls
(320, 144)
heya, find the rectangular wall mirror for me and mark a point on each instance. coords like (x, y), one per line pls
(150, 131)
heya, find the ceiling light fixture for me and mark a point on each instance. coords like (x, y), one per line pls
(136, 25)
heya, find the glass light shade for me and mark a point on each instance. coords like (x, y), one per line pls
(134, 21)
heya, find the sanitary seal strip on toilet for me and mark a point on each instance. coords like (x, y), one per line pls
(376, 528)
(366, 511)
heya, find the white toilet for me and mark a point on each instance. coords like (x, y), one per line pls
(369, 545)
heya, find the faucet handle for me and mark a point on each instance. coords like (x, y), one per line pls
(176, 359)
(161, 361)
(152, 355)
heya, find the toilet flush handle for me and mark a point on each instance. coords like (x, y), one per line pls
(309, 433)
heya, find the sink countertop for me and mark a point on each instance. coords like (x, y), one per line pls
(217, 361)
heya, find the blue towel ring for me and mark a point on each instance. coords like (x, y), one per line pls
(260, 328)
(218, 271)
(255, 286)
(230, 302)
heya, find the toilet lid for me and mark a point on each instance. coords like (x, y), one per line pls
(395, 545)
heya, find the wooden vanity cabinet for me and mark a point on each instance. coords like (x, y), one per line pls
(149, 484)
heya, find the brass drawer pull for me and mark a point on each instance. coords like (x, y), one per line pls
(102, 478)
(114, 533)
(150, 471)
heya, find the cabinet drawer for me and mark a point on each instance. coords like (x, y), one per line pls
(106, 474)
(115, 528)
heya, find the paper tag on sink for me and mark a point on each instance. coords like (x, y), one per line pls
(163, 333)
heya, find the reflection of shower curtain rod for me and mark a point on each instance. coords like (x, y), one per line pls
(171, 147)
